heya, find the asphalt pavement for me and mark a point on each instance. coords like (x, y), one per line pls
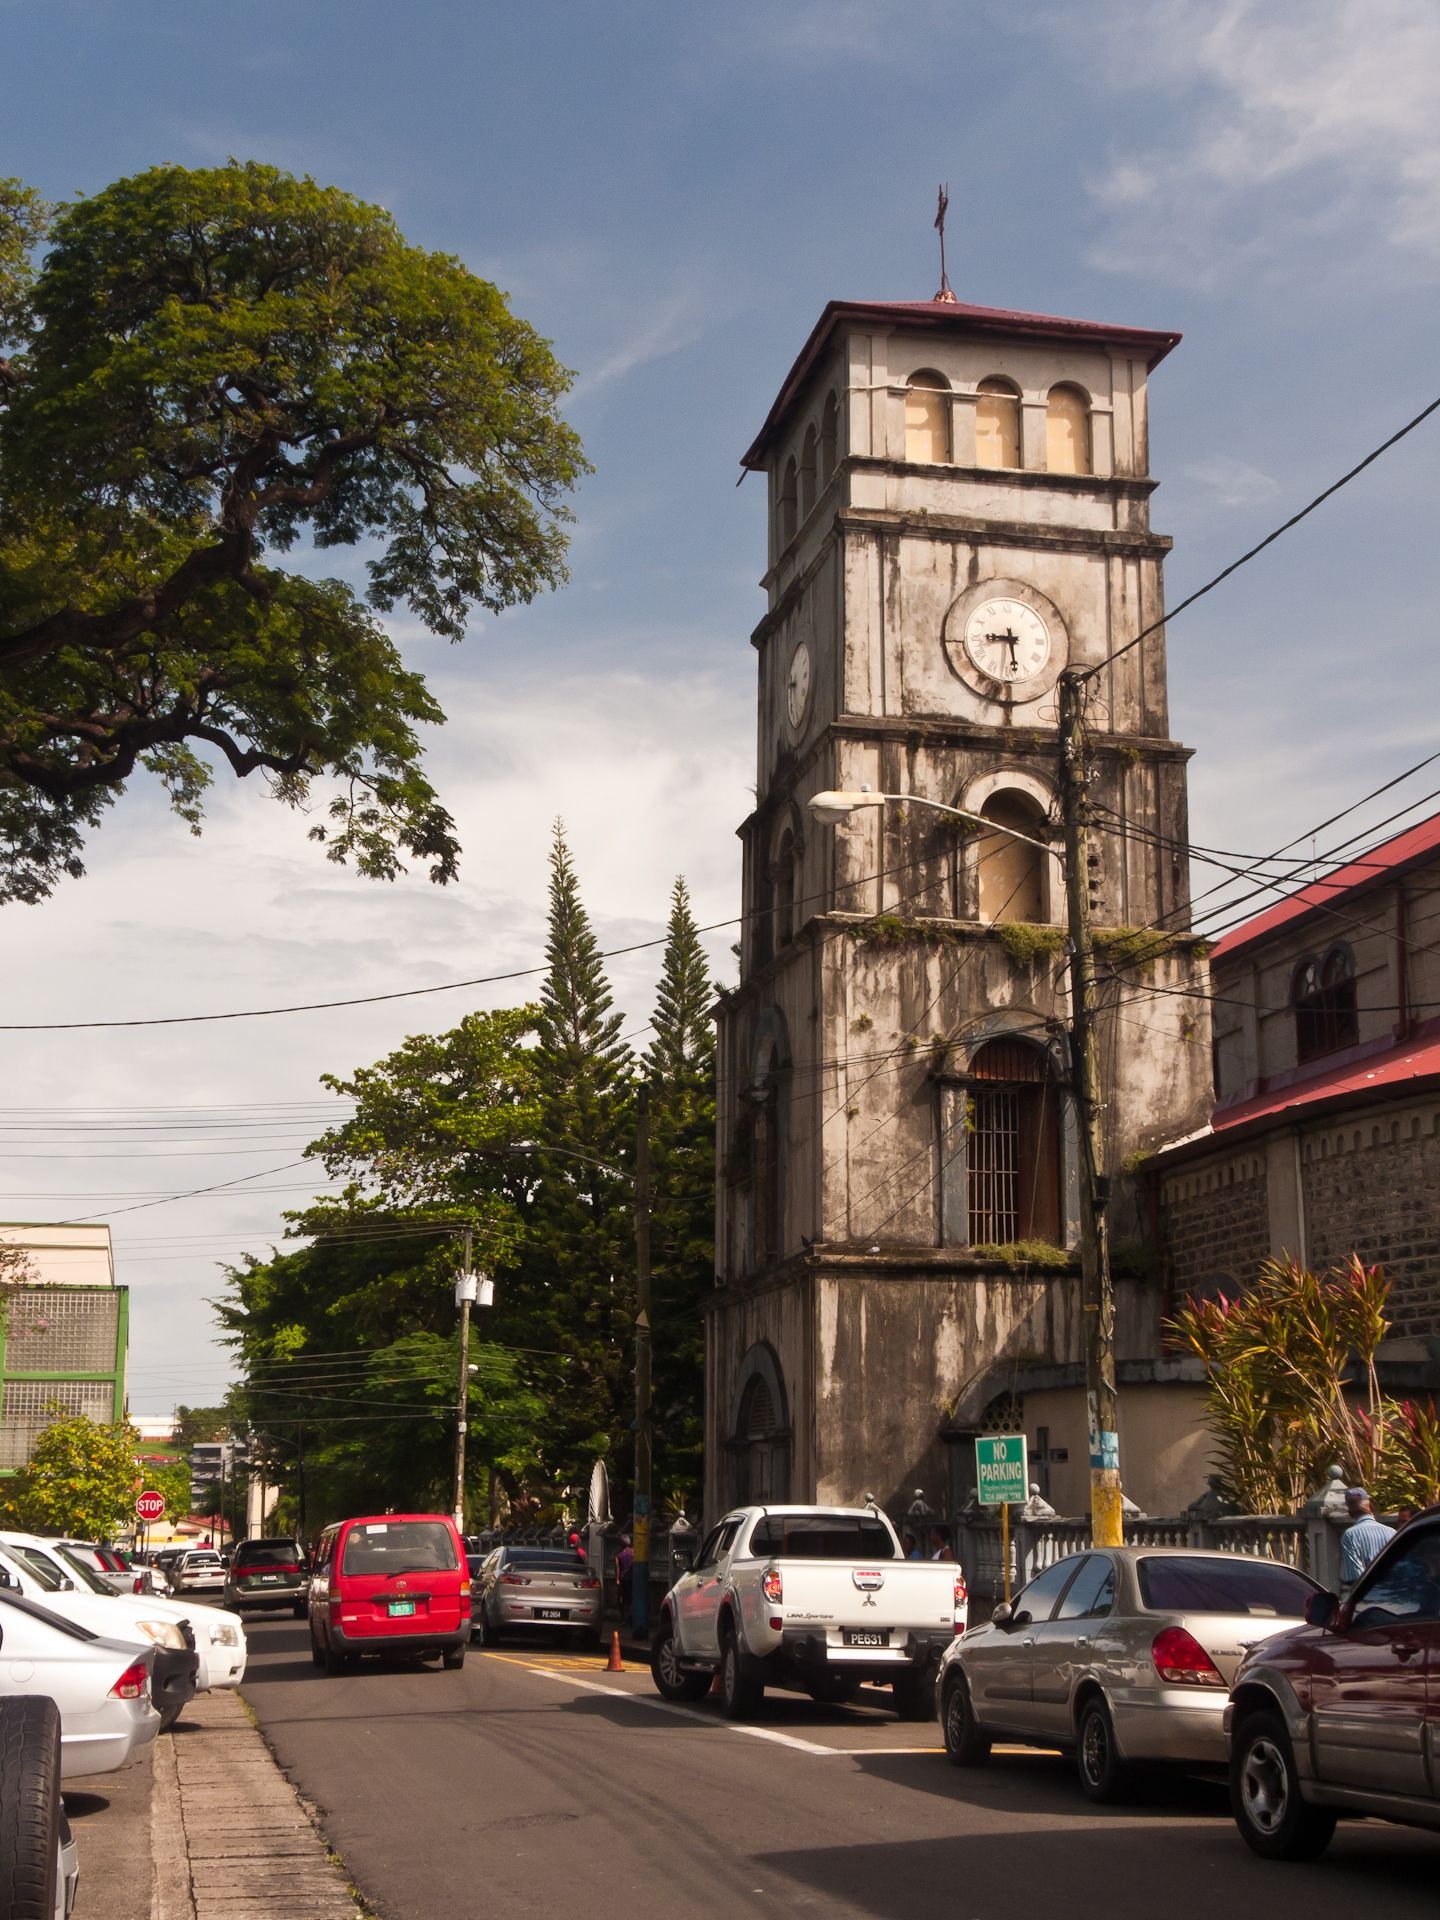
(531, 1782)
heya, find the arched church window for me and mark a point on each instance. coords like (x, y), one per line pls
(1067, 431)
(783, 890)
(829, 435)
(807, 474)
(997, 424)
(1307, 997)
(1013, 1184)
(788, 520)
(1337, 980)
(927, 418)
(1009, 873)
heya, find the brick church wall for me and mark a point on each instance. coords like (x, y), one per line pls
(1215, 1222)
(1374, 1188)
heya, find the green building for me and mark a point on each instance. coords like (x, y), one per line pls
(64, 1335)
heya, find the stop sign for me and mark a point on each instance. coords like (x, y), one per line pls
(150, 1506)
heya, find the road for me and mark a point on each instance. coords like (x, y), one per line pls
(532, 1783)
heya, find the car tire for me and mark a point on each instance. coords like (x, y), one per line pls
(965, 1744)
(741, 1688)
(1104, 1777)
(333, 1660)
(1274, 1819)
(672, 1681)
(452, 1657)
(317, 1658)
(914, 1692)
(483, 1632)
(300, 1609)
(29, 1806)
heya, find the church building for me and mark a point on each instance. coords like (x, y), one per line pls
(958, 510)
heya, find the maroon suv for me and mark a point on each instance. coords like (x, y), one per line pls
(1343, 1715)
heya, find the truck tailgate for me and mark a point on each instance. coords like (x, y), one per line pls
(865, 1610)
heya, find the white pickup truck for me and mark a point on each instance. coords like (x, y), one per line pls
(817, 1598)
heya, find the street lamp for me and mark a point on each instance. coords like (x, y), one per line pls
(1098, 1301)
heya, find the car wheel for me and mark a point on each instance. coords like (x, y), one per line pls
(316, 1656)
(300, 1609)
(29, 1804)
(452, 1657)
(914, 1692)
(483, 1631)
(1104, 1777)
(672, 1681)
(1274, 1819)
(741, 1688)
(333, 1660)
(965, 1744)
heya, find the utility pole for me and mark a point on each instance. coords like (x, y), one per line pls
(1097, 1291)
(466, 1291)
(644, 1464)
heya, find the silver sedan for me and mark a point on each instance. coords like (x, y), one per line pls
(528, 1590)
(1119, 1656)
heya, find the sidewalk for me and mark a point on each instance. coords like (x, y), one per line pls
(230, 1837)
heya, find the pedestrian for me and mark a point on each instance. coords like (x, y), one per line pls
(576, 1546)
(940, 1545)
(625, 1571)
(1404, 1514)
(909, 1545)
(1363, 1538)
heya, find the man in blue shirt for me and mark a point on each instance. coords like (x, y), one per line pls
(1363, 1538)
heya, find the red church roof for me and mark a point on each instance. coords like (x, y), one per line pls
(999, 321)
(1381, 1072)
(1374, 868)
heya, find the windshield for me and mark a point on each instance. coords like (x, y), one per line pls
(399, 1546)
(267, 1553)
(1229, 1585)
(538, 1561)
(83, 1575)
(202, 1560)
(822, 1536)
(39, 1569)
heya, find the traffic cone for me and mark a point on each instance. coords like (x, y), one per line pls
(717, 1691)
(615, 1664)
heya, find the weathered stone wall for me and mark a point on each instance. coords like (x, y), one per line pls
(1215, 1222)
(1373, 1185)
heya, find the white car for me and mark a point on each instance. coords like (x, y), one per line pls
(219, 1636)
(102, 1687)
(201, 1570)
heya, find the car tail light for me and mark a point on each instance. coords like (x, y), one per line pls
(132, 1683)
(772, 1585)
(513, 1580)
(464, 1589)
(139, 1586)
(590, 1584)
(962, 1592)
(1179, 1657)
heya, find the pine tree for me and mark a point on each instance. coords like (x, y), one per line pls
(580, 1251)
(680, 1063)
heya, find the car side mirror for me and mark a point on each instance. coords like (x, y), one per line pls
(1322, 1610)
(684, 1559)
(7, 1579)
(1003, 1616)
(67, 1585)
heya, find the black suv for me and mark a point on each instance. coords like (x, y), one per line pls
(268, 1573)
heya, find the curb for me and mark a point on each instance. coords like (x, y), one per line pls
(232, 1838)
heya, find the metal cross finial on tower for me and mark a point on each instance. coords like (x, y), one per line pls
(942, 205)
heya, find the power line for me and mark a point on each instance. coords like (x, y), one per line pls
(1089, 673)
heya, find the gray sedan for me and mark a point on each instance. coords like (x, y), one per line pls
(529, 1590)
(1118, 1656)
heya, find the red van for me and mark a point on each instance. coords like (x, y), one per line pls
(389, 1583)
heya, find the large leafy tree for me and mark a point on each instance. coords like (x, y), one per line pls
(81, 1477)
(680, 1065)
(198, 371)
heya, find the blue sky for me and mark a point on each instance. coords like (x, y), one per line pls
(671, 194)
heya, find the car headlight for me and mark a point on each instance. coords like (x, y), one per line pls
(223, 1636)
(164, 1633)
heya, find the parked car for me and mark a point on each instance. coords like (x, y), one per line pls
(111, 1567)
(389, 1583)
(268, 1573)
(38, 1855)
(219, 1636)
(119, 1616)
(1118, 1655)
(530, 1590)
(199, 1570)
(101, 1686)
(819, 1598)
(1339, 1716)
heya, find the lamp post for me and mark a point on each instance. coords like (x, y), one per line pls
(471, 1289)
(1097, 1294)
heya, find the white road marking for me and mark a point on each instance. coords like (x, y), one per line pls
(726, 1726)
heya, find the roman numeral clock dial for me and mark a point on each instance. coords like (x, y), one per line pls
(1008, 642)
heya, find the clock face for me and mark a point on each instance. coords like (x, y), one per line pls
(1007, 641)
(797, 689)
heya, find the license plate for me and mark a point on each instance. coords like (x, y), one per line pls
(854, 1637)
(271, 1577)
(400, 1608)
(551, 1613)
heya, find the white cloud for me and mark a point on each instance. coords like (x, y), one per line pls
(1231, 483)
(1287, 125)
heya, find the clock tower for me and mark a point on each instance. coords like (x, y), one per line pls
(958, 510)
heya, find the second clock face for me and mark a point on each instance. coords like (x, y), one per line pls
(797, 688)
(1008, 641)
